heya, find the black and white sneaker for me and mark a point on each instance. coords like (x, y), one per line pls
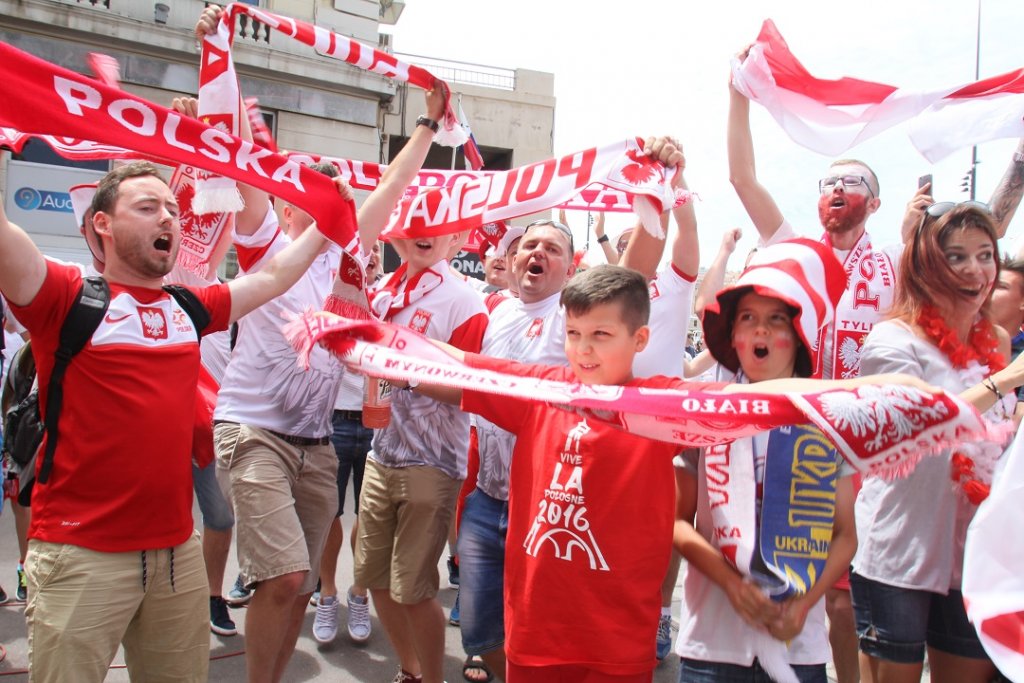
(220, 622)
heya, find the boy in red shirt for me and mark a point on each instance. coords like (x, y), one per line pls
(591, 507)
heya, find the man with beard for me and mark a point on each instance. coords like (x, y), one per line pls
(849, 194)
(112, 554)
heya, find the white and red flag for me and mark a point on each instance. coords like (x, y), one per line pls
(474, 160)
(830, 116)
(993, 584)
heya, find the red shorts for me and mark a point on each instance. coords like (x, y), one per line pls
(567, 673)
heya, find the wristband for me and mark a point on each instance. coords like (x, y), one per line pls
(428, 122)
(602, 239)
(990, 384)
(1018, 158)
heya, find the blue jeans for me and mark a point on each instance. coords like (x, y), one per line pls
(481, 547)
(351, 442)
(213, 505)
(696, 671)
(896, 623)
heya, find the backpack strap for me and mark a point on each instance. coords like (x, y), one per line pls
(192, 305)
(79, 325)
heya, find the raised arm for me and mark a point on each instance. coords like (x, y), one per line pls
(282, 271)
(643, 253)
(714, 278)
(250, 218)
(22, 266)
(374, 213)
(610, 255)
(1006, 197)
(760, 206)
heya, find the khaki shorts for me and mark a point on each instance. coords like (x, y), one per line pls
(285, 499)
(83, 603)
(404, 515)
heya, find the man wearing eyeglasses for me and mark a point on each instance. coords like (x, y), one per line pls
(848, 195)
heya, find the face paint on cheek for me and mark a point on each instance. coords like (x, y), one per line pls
(783, 343)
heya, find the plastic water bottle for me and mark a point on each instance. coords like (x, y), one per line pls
(376, 403)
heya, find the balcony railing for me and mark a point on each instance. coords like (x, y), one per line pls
(464, 72)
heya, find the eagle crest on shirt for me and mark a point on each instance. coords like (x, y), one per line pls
(154, 324)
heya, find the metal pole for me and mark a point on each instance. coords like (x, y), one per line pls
(977, 75)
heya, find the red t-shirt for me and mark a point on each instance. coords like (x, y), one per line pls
(591, 511)
(122, 473)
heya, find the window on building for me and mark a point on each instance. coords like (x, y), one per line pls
(39, 152)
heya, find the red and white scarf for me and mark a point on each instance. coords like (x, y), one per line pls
(870, 287)
(331, 44)
(831, 116)
(879, 429)
(536, 187)
(399, 291)
(200, 233)
(45, 99)
(220, 97)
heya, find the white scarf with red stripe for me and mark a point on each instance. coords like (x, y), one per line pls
(220, 98)
(878, 429)
(831, 116)
(870, 288)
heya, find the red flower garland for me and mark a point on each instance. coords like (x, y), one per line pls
(981, 347)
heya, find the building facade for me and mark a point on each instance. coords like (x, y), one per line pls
(312, 103)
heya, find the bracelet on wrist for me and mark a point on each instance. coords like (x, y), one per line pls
(990, 384)
(602, 239)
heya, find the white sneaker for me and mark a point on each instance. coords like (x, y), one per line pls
(358, 618)
(325, 625)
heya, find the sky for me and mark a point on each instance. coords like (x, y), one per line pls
(627, 69)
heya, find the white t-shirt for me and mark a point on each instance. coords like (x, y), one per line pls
(264, 385)
(529, 333)
(671, 303)
(710, 630)
(423, 431)
(911, 530)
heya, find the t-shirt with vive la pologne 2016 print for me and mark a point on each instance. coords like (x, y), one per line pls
(591, 512)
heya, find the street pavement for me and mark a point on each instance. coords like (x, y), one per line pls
(339, 662)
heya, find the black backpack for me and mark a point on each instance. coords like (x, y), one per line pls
(23, 417)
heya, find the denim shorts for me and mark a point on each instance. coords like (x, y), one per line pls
(351, 442)
(697, 671)
(481, 547)
(895, 624)
(213, 504)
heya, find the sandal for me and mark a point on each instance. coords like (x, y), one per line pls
(475, 663)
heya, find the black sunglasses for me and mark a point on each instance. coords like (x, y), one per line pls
(556, 225)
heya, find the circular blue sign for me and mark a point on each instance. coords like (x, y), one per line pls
(27, 199)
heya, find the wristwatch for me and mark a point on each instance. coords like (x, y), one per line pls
(428, 122)
(602, 239)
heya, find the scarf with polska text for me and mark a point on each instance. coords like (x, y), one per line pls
(878, 429)
(46, 99)
(781, 544)
(870, 288)
(361, 175)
